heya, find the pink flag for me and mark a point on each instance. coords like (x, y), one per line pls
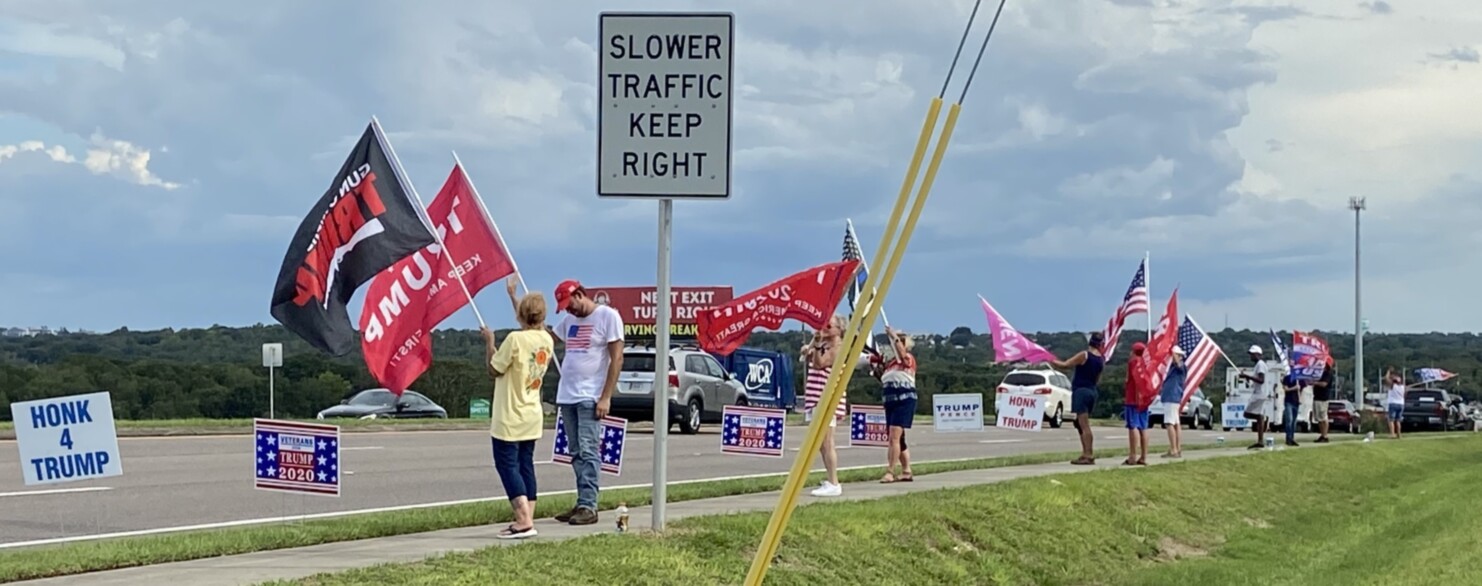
(1008, 344)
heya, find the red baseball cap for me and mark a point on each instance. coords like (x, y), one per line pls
(563, 293)
(1138, 347)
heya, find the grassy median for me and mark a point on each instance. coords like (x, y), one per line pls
(1393, 513)
(185, 427)
(93, 556)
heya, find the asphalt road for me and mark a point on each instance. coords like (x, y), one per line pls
(189, 481)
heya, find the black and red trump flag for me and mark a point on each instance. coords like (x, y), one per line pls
(365, 222)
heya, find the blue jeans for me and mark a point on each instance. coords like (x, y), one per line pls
(515, 462)
(584, 435)
(1289, 420)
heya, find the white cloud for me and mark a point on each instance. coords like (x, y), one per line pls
(106, 156)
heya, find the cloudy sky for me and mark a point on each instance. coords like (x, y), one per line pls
(156, 156)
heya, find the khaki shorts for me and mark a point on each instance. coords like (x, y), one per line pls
(1320, 411)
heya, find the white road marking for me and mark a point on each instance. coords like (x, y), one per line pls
(335, 514)
(343, 449)
(1002, 441)
(56, 491)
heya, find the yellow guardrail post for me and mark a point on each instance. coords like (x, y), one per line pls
(873, 295)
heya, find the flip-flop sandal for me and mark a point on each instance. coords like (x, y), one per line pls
(1082, 462)
(907, 478)
(1142, 462)
(889, 479)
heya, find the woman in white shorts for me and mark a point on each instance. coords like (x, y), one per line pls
(819, 357)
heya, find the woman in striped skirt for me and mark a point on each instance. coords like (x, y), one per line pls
(819, 357)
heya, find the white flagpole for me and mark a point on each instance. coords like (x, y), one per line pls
(479, 199)
(850, 224)
(1147, 281)
(406, 184)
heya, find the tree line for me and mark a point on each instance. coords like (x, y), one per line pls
(216, 372)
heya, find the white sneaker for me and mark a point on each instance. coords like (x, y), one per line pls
(828, 489)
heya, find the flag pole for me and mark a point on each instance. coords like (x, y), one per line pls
(1147, 280)
(406, 184)
(850, 224)
(488, 218)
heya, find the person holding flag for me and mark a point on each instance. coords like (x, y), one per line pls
(1135, 408)
(1088, 365)
(516, 419)
(1322, 394)
(898, 387)
(819, 357)
(1172, 396)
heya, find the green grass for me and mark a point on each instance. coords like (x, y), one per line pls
(1381, 513)
(92, 556)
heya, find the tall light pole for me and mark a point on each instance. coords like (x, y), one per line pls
(1357, 204)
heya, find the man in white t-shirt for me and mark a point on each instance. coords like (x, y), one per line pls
(1260, 397)
(593, 335)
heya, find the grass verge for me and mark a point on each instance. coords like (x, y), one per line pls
(76, 558)
(1380, 513)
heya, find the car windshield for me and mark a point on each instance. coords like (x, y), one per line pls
(373, 398)
(1024, 379)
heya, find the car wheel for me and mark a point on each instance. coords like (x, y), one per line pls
(1059, 418)
(742, 401)
(691, 423)
(1225, 428)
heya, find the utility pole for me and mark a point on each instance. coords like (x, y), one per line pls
(1357, 204)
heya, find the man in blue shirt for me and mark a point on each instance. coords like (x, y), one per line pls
(1172, 397)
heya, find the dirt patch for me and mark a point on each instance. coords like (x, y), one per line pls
(1257, 523)
(1170, 549)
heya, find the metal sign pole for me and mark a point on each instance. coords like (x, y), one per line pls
(270, 393)
(661, 366)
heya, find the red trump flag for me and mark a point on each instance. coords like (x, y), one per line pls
(406, 301)
(809, 297)
(1157, 357)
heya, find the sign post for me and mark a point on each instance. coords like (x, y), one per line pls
(272, 357)
(664, 132)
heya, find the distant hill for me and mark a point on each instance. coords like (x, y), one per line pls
(216, 372)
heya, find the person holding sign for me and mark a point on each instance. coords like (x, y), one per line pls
(516, 418)
(898, 386)
(1394, 402)
(1088, 365)
(819, 355)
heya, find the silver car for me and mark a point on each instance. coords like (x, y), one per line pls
(699, 387)
(1198, 412)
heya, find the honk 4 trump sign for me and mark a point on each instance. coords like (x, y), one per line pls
(1020, 412)
(64, 439)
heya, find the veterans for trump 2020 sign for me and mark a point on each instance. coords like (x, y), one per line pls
(1020, 412)
(957, 412)
(664, 105)
(64, 439)
(867, 427)
(296, 457)
(752, 431)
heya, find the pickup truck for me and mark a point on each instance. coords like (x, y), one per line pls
(1426, 409)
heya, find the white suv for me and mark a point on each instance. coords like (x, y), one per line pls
(1051, 384)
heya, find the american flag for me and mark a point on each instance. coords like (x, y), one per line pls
(297, 457)
(867, 426)
(752, 431)
(612, 435)
(579, 337)
(853, 252)
(1200, 353)
(1133, 303)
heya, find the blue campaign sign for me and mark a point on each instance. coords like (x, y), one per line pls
(752, 431)
(613, 435)
(296, 457)
(64, 439)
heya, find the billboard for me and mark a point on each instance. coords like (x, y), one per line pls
(639, 307)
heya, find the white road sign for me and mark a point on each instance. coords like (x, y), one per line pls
(272, 355)
(664, 105)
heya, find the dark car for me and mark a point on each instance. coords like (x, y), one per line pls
(1342, 417)
(383, 404)
(1426, 409)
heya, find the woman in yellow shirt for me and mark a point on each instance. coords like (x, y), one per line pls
(516, 418)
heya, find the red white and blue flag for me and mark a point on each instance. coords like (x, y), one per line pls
(611, 438)
(579, 337)
(1135, 302)
(752, 431)
(1200, 353)
(1433, 375)
(296, 457)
